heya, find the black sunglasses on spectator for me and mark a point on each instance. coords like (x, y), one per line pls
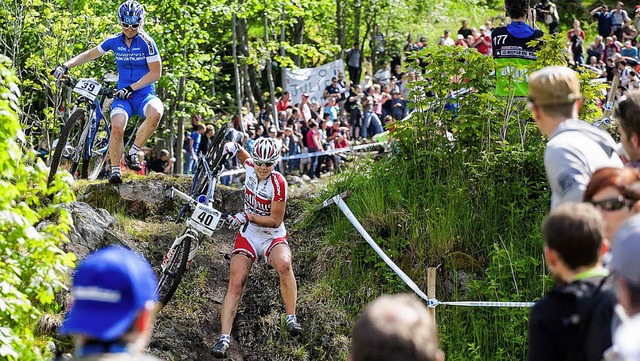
(613, 204)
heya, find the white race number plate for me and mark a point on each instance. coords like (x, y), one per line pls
(205, 219)
(88, 87)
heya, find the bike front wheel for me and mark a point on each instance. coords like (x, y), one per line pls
(173, 268)
(75, 117)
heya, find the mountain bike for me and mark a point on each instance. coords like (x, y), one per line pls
(84, 138)
(204, 219)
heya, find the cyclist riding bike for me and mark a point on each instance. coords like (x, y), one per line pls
(139, 67)
(262, 235)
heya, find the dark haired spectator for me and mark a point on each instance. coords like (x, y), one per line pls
(304, 108)
(627, 116)
(629, 32)
(333, 90)
(162, 164)
(602, 14)
(355, 110)
(562, 326)
(353, 62)
(398, 106)
(445, 39)
(192, 149)
(383, 75)
(511, 48)
(611, 48)
(547, 12)
(203, 148)
(284, 102)
(464, 29)
(395, 327)
(314, 145)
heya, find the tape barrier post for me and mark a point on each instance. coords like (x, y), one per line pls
(431, 289)
(347, 212)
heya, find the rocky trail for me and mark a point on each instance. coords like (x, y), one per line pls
(140, 217)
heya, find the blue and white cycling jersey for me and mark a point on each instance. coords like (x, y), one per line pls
(132, 62)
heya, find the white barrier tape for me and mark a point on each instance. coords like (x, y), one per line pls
(432, 303)
(332, 151)
(380, 252)
(314, 154)
(486, 304)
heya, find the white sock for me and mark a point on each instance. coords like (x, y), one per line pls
(134, 149)
(225, 337)
(116, 169)
(290, 318)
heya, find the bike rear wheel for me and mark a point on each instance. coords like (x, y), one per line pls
(214, 160)
(176, 265)
(74, 118)
(97, 154)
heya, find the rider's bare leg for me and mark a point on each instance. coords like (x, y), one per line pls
(280, 259)
(116, 143)
(152, 113)
(239, 271)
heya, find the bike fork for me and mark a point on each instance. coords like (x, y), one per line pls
(195, 245)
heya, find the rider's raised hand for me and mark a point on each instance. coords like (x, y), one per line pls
(124, 93)
(59, 71)
(231, 148)
(237, 220)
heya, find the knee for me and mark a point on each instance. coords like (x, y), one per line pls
(117, 130)
(283, 266)
(236, 286)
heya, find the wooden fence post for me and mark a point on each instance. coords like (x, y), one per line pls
(431, 288)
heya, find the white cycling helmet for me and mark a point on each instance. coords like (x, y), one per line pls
(265, 150)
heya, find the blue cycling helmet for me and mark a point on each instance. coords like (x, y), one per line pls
(131, 12)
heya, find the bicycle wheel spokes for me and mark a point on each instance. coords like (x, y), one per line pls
(97, 155)
(172, 270)
(69, 131)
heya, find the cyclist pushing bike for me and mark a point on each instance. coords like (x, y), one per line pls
(139, 67)
(262, 235)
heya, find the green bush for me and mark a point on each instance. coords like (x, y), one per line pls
(32, 265)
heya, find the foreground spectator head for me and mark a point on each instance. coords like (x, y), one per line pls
(614, 192)
(516, 8)
(554, 92)
(114, 299)
(573, 234)
(627, 114)
(625, 265)
(395, 327)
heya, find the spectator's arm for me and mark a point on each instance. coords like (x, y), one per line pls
(594, 11)
(191, 150)
(167, 169)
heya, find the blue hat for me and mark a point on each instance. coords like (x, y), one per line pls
(110, 287)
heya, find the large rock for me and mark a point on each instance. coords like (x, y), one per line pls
(92, 229)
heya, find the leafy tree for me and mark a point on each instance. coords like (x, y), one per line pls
(32, 264)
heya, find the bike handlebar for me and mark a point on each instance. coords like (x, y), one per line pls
(185, 197)
(71, 82)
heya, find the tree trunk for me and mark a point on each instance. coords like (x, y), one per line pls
(357, 11)
(252, 87)
(272, 96)
(179, 168)
(340, 27)
(298, 32)
(283, 53)
(237, 72)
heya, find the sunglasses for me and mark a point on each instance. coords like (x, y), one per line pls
(263, 164)
(130, 26)
(613, 204)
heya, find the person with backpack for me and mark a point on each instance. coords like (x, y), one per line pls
(573, 321)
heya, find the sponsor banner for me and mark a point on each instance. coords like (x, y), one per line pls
(311, 80)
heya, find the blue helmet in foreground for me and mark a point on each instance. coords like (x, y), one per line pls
(131, 12)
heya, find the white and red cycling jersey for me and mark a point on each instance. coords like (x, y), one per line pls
(255, 241)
